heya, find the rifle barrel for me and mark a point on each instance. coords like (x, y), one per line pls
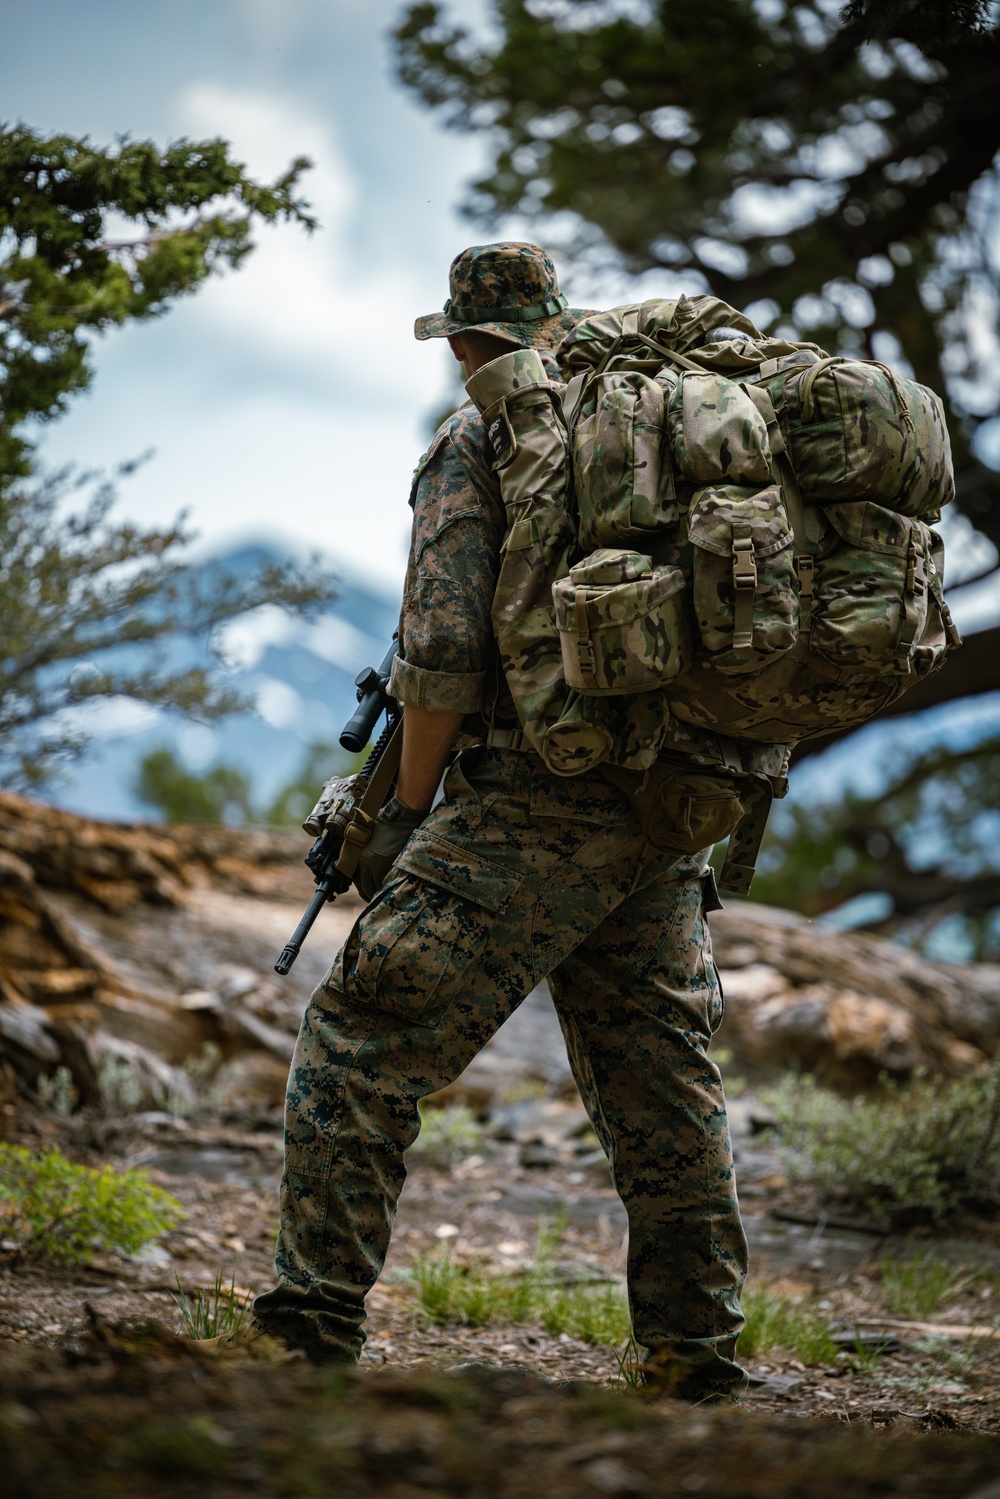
(292, 949)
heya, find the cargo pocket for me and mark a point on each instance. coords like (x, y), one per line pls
(416, 946)
(622, 624)
(622, 468)
(745, 594)
(873, 589)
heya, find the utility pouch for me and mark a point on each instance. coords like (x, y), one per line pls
(680, 810)
(622, 623)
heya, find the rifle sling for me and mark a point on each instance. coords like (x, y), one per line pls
(372, 800)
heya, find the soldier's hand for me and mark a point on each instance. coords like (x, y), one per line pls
(391, 832)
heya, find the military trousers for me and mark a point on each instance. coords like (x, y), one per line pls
(517, 875)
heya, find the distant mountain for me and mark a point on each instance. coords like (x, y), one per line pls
(300, 673)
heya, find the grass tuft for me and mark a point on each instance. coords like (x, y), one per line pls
(211, 1313)
(916, 1288)
(773, 1321)
(476, 1295)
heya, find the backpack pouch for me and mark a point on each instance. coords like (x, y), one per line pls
(622, 624)
(857, 431)
(744, 588)
(716, 432)
(876, 593)
(621, 462)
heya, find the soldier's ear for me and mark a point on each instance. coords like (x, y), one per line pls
(457, 345)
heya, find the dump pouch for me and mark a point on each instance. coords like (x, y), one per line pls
(681, 809)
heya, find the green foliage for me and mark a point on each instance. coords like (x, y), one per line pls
(188, 210)
(211, 1314)
(832, 174)
(87, 606)
(119, 1087)
(916, 1288)
(447, 1135)
(929, 841)
(477, 1295)
(53, 1210)
(220, 795)
(223, 793)
(774, 1321)
(77, 587)
(296, 800)
(917, 1151)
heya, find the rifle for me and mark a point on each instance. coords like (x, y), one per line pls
(333, 858)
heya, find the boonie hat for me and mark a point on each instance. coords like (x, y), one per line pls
(509, 289)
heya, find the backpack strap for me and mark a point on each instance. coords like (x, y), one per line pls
(805, 566)
(756, 793)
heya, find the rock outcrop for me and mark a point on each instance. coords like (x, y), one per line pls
(140, 959)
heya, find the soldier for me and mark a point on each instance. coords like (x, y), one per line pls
(516, 875)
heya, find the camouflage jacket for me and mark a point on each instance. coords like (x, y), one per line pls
(448, 657)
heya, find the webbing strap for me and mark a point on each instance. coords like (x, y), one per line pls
(745, 839)
(744, 584)
(376, 793)
(785, 475)
(913, 591)
(584, 644)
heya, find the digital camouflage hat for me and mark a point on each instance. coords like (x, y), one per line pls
(510, 290)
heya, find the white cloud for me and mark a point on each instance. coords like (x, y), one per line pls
(302, 298)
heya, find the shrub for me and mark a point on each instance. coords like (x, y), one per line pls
(53, 1210)
(912, 1152)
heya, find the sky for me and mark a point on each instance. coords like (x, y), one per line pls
(289, 398)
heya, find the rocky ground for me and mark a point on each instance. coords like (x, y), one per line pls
(99, 1395)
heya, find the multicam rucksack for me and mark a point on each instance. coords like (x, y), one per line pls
(712, 541)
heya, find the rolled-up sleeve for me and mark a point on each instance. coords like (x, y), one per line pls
(446, 632)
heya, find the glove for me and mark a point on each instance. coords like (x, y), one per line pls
(393, 828)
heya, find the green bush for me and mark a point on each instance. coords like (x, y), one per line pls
(53, 1210)
(912, 1152)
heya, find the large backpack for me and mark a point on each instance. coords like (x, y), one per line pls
(712, 541)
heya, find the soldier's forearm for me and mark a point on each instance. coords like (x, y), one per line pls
(427, 741)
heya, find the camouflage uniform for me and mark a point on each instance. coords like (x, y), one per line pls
(516, 875)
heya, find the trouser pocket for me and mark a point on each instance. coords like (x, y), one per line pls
(412, 949)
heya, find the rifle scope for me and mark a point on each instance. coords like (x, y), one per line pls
(373, 699)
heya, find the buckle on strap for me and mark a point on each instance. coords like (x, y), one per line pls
(509, 739)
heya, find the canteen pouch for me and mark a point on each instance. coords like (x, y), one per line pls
(622, 623)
